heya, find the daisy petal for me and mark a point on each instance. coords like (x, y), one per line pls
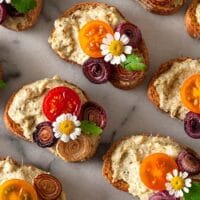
(123, 58)
(127, 49)
(180, 193)
(104, 52)
(185, 175)
(73, 136)
(74, 118)
(1, 1)
(169, 176)
(65, 138)
(103, 47)
(171, 192)
(108, 57)
(109, 36)
(117, 35)
(124, 39)
(188, 184)
(175, 172)
(77, 123)
(8, 1)
(176, 194)
(168, 186)
(106, 41)
(57, 135)
(115, 60)
(186, 190)
(77, 131)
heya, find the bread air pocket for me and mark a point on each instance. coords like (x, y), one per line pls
(57, 115)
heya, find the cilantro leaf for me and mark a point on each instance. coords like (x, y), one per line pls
(2, 84)
(90, 128)
(23, 6)
(134, 63)
(194, 193)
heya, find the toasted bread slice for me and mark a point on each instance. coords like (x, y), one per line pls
(13, 168)
(25, 22)
(121, 84)
(191, 22)
(107, 169)
(90, 143)
(162, 7)
(165, 68)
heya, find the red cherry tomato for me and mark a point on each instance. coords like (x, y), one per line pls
(61, 100)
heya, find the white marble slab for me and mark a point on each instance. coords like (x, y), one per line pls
(29, 55)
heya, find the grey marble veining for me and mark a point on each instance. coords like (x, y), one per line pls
(26, 57)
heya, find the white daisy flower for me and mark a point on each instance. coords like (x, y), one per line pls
(177, 183)
(67, 127)
(115, 48)
(6, 1)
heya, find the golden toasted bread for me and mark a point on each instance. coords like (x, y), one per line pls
(77, 150)
(14, 169)
(25, 22)
(107, 170)
(191, 21)
(162, 7)
(115, 79)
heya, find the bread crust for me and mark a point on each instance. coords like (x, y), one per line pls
(16, 130)
(151, 91)
(160, 9)
(107, 171)
(191, 23)
(27, 21)
(142, 48)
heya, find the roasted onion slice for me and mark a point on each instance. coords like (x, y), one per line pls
(48, 187)
(162, 2)
(125, 79)
(192, 125)
(97, 70)
(132, 32)
(189, 162)
(76, 150)
(162, 195)
(43, 135)
(93, 112)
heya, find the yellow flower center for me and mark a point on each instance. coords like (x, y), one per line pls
(177, 183)
(66, 127)
(116, 48)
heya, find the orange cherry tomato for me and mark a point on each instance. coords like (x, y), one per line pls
(154, 168)
(91, 36)
(190, 93)
(16, 189)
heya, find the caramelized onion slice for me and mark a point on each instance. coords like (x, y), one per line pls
(78, 150)
(93, 112)
(48, 187)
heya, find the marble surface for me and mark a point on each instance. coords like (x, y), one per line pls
(26, 57)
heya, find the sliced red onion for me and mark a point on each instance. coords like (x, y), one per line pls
(189, 162)
(43, 135)
(192, 125)
(93, 112)
(163, 195)
(97, 70)
(132, 31)
(3, 13)
(13, 12)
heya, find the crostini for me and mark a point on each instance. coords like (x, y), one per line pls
(97, 37)
(19, 15)
(192, 19)
(153, 167)
(162, 7)
(56, 115)
(27, 182)
(175, 89)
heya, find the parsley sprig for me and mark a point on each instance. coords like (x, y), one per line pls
(90, 128)
(23, 6)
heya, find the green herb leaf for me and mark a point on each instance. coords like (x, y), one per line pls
(194, 193)
(90, 128)
(2, 84)
(23, 6)
(134, 63)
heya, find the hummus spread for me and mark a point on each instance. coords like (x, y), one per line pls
(26, 107)
(198, 13)
(168, 86)
(9, 170)
(128, 155)
(64, 40)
